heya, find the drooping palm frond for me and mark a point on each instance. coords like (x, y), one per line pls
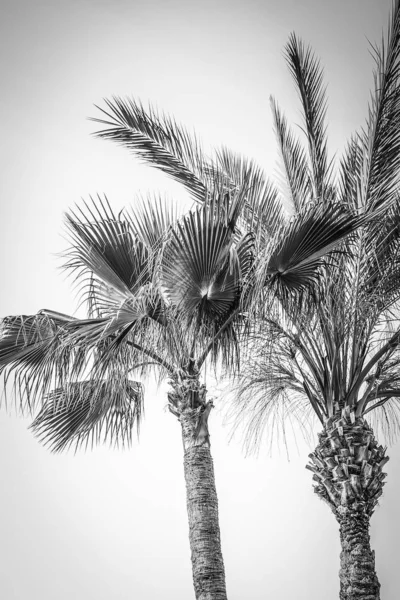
(269, 394)
(158, 140)
(33, 355)
(385, 418)
(89, 412)
(380, 394)
(50, 351)
(76, 373)
(308, 77)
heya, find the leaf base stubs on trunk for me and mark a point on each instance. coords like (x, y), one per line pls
(347, 466)
(187, 401)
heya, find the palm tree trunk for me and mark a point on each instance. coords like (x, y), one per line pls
(358, 578)
(201, 496)
(347, 465)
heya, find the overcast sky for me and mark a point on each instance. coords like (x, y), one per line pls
(112, 525)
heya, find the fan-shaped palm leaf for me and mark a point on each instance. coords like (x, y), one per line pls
(200, 267)
(103, 245)
(293, 262)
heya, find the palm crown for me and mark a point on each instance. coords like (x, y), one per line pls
(340, 349)
(158, 295)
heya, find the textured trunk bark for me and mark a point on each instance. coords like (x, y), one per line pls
(202, 507)
(358, 580)
(347, 466)
(187, 401)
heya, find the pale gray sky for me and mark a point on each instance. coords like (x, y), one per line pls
(111, 525)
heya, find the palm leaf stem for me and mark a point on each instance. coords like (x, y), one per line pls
(311, 345)
(366, 396)
(143, 364)
(309, 361)
(355, 294)
(318, 408)
(311, 389)
(316, 369)
(313, 368)
(160, 361)
(282, 330)
(377, 404)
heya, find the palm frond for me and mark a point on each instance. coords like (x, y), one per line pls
(381, 264)
(199, 266)
(381, 138)
(151, 219)
(49, 351)
(384, 417)
(158, 140)
(294, 261)
(89, 412)
(268, 396)
(308, 77)
(262, 210)
(295, 166)
(350, 175)
(33, 355)
(103, 245)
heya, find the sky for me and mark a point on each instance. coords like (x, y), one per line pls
(111, 524)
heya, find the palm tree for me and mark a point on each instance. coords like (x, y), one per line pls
(161, 293)
(164, 294)
(335, 349)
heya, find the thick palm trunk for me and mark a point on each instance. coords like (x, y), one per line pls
(357, 561)
(201, 497)
(347, 466)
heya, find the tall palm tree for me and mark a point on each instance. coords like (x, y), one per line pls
(165, 294)
(161, 293)
(335, 349)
